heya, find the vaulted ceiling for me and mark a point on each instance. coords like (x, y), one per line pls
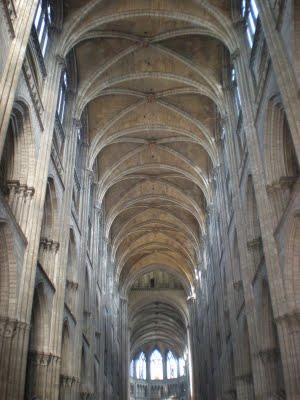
(149, 74)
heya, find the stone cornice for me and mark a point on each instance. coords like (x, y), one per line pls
(10, 13)
(33, 89)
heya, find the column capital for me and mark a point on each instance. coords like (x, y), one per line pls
(60, 60)
(246, 378)
(235, 55)
(8, 327)
(77, 123)
(292, 319)
(267, 355)
(98, 210)
(124, 299)
(191, 299)
(90, 173)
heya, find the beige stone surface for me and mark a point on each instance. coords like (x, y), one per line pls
(162, 211)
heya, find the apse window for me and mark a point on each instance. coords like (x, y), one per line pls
(172, 366)
(140, 366)
(181, 363)
(156, 366)
(131, 371)
(42, 22)
(250, 14)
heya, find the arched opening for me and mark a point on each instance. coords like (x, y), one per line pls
(49, 231)
(65, 350)
(38, 357)
(72, 270)
(83, 372)
(281, 164)
(140, 367)
(172, 366)
(50, 212)
(156, 365)
(17, 162)
(66, 363)
(7, 170)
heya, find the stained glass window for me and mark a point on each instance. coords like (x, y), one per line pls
(140, 367)
(42, 22)
(250, 13)
(172, 366)
(156, 365)
(181, 366)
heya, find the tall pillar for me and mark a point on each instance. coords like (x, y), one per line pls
(190, 362)
(13, 334)
(124, 349)
(165, 366)
(192, 348)
(289, 336)
(148, 374)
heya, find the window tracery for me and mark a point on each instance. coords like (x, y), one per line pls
(172, 366)
(181, 368)
(156, 365)
(42, 22)
(250, 13)
(140, 366)
(61, 104)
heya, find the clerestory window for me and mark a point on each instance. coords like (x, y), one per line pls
(236, 92)
(42, 22)
(61, 104)
(250, 13)
(140, 365)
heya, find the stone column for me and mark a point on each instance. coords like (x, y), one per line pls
(164, 357)
(194, 368)
(69, 387)
(244, 387)
(13, 333)
(20, 27)
(289, 336)
(285, 74)
(148, 374)
(41, 368)
(47, 256)
(19, 199)
(124, 349)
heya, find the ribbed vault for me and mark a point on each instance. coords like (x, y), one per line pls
(150, 80)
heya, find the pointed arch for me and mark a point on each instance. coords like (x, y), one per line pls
(65, 349)
(18, 157)
(156, 365)
(50, 217)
